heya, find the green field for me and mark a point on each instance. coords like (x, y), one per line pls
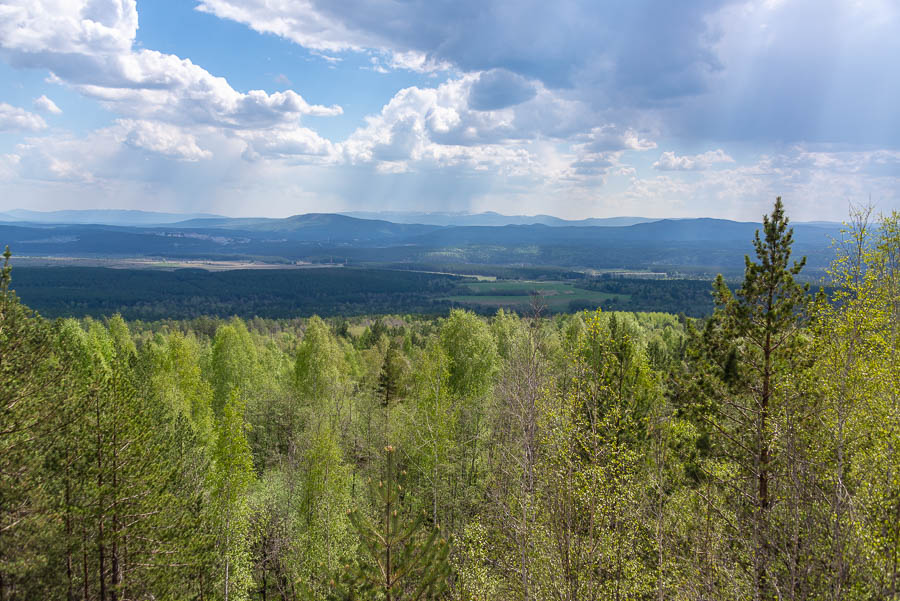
(556, 296)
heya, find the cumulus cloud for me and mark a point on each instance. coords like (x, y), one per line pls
(599, 152)
(152, 85)
(805, 70)
(13, 118)
(440, 127)
(89, 44)
(125, 151)
(561, 44)
(307, 24)
(669, 161)
(611, 137)
(595, 164)
(161, 138)
(44, 104)
(80, 28)
(816, 184)
(55, 160)
(286, 143)
(531, 100)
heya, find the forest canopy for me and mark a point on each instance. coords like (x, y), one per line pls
(751, 454)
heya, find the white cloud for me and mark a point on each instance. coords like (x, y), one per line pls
(669, 161)
(545, 103)
(89, 44)
(62, 158)
(599, 152)
(439, 126)
(152, 85)
(304, 23)
(13, 118)
(708, 76)
(419, 62)
(44, 104)
(611, 137)
(161, 138)
(570, 44)
(298, 21)
(76, 28)
(292, 142)
(815, 185)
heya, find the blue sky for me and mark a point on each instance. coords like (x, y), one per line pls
(574, 108)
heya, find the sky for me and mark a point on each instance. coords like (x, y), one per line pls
(574, 108)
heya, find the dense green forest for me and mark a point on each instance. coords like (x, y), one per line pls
(753, 454)
(155, 294)
(150, 294)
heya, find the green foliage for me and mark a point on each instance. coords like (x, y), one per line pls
(31, 379)
(762, 417)
(591, 439)
(472, 352)
(392, 377)
(174, 373)
(432, 424)
(233, 363)
(603, 455)
(857, 442)
(400, 562)
(150, 294)
(5, 272)
(231, 478)
(319, 371)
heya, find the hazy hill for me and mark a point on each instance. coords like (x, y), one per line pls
(319, 227)
(681, 245)
(491, 218)
(667, 230)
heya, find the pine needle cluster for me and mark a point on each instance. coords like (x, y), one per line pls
(399, 561)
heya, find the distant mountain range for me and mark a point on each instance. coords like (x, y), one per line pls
(312, 227)
(682, 245)
(151, 218)
(492, 218)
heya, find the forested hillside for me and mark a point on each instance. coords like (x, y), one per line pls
(701, 247)
(599, 455)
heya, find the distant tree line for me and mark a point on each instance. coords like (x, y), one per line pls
(150, 294)
(147, 294)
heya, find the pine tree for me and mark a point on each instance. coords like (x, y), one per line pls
(30, 382)
(389, 377)
(762, 320)
(400, 562)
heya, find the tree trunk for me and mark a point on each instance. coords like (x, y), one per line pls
(84, 561)
(762, 543)
(101, 551)
(114, 558)
(70, 593)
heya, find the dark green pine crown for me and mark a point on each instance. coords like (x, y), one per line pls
(400, 560)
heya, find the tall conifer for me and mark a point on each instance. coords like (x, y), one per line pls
(399, 562)
(762, 320)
